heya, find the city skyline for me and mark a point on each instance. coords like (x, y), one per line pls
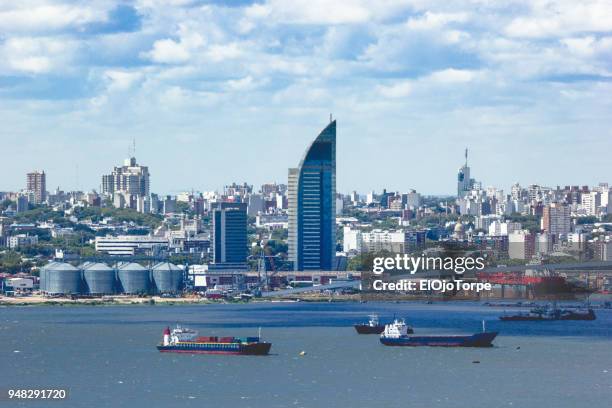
(199, 85)
(377, 190)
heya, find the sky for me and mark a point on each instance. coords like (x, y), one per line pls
(214, 92)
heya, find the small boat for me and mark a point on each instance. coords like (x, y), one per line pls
(184, 340)
(373, 326)
(396, 334)
(547, 314)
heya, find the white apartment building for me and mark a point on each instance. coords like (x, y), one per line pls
(521, 245)
(351, 240)
(484, 221)
(378, 240)
(21, 240)
(413, 199)
(498, 228)
(591, 202)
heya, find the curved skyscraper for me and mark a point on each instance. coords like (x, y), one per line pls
(312, 202)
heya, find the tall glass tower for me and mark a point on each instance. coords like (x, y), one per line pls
(464, 182)
(312, 205)
(229, 237)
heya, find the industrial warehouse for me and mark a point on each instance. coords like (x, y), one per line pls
(60, 278)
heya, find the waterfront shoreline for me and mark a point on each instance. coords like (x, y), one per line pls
(121, 300)
(124, 300)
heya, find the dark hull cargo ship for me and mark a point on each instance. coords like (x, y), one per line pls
(183, 340)
(550, 315)
(396, 334)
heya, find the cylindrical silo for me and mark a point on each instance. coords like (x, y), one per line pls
(99, 278)
(43, 276)
(134, 278)
(62, 278)
(167, 277)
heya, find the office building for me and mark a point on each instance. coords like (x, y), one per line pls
(312, 201)
(131, 245)
(256, 205)
(229, 237)
(464, 182)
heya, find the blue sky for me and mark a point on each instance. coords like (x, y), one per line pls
(215, 92)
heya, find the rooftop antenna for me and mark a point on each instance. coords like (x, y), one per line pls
(466, 155)
(330, 118)
(134, 147)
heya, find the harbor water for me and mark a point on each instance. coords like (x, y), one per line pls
(106, 357)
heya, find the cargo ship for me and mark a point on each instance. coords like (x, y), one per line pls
(373, 326)
(396, 334)
(184, 340)
(548, 314)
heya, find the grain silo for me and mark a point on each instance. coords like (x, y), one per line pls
(133, 278)
(167, 277)
(43, 276)
(62, 278)
(99, 278)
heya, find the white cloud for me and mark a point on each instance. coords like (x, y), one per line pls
(588, 46)
(122, 80)
(553, 19)
(169, 51)
(451, 75)
(325, 12)
(248, 83)
(36, 55)
(431, 20)
(397, 90)
(221, 52)
(26, 17)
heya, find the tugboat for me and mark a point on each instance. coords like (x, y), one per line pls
(548, 314)
(396, 334)
(184, 340)
(373, 326)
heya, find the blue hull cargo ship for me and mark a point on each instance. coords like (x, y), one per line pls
(184, 340)
(396, 334)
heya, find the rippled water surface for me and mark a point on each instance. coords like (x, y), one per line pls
(106, 357)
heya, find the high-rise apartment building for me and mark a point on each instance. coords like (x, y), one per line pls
(129, 179)
(590, 201)
(229, 233)
(556, 219)
(36, 186)
(312, 201)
